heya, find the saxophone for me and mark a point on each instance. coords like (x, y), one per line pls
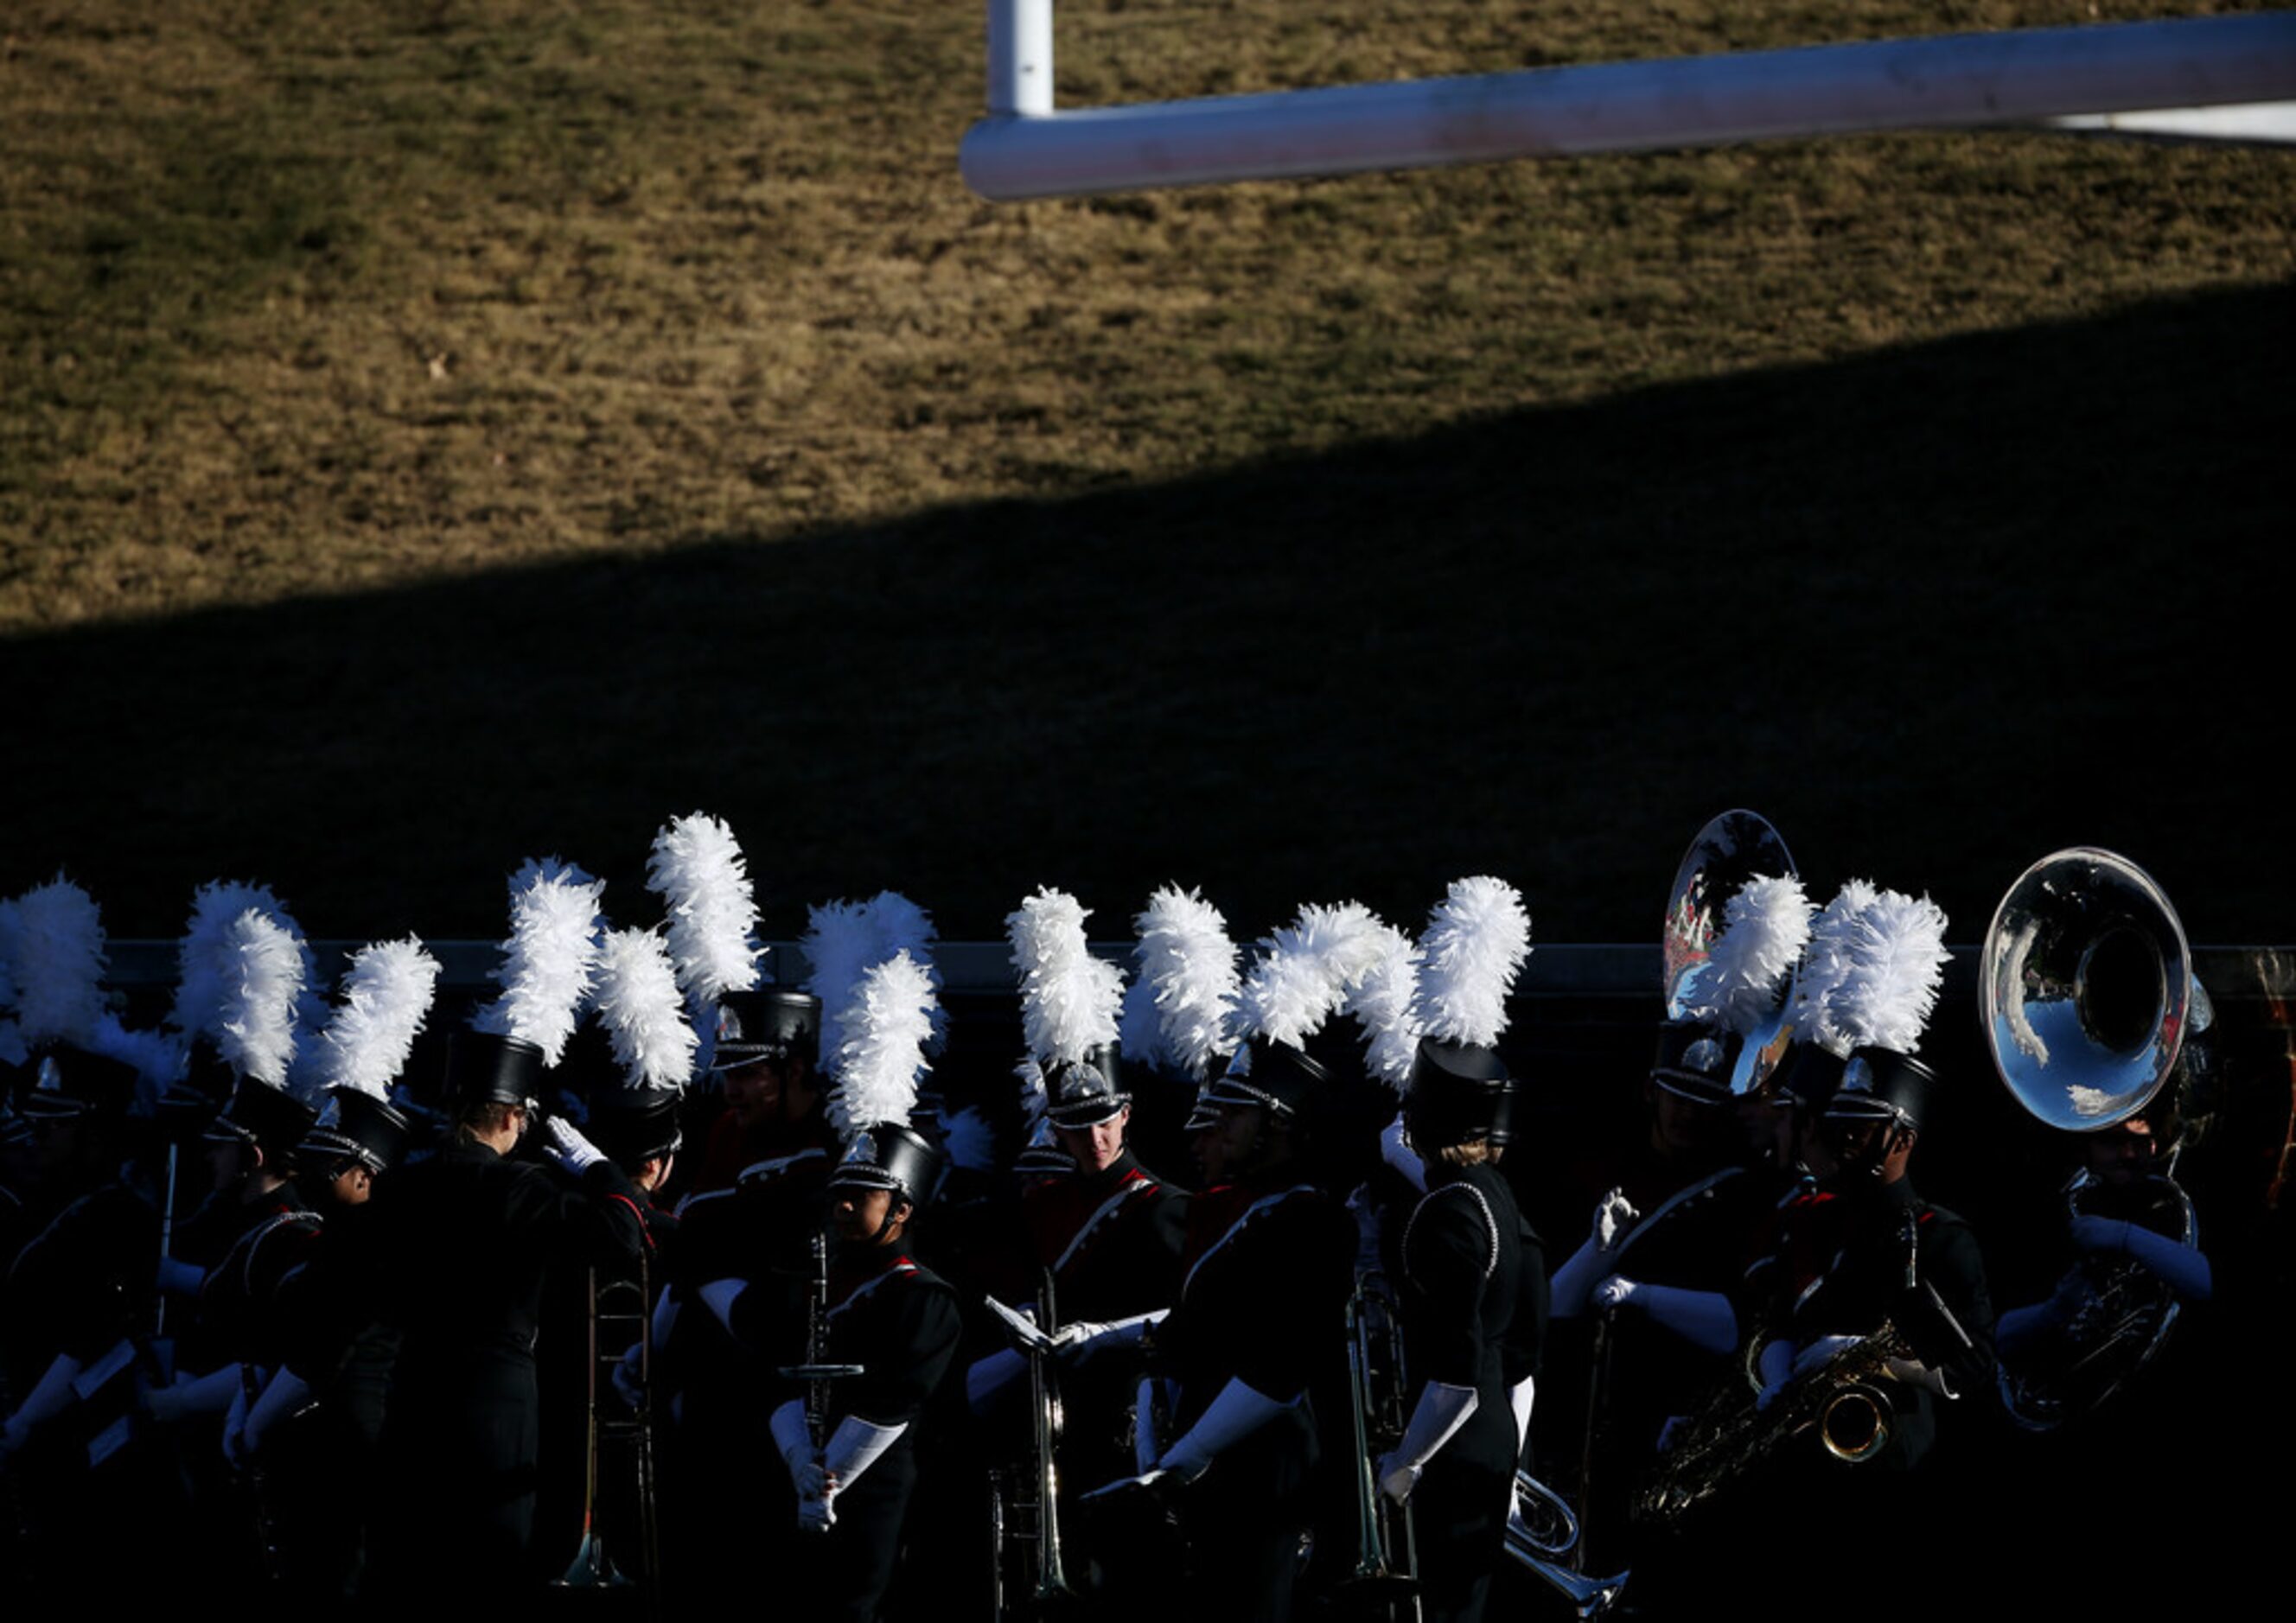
(1845, 1400)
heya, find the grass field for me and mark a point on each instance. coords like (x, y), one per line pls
(435, 433)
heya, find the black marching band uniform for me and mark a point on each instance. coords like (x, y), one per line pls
(389, 1389)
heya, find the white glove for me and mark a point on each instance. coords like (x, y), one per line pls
(1826, 1349)
(2179, 1267)
(1519, 1400)
(234, 1431)
(48, 1399)
(1703, 1318)
(178, 1277)
(1145, 1445)
(1913, 1371)
(626, 1380)
(986, 1378)
(1774, 1363)
(212, 1393)
(1440, 1412)
(815, 1514)
(719, 1296)
(1614, 1216)
(1235, 1415)
(564, 1144)
(791, 1436)
(1082, 1341)
(284, 1395)
(1401, 1156)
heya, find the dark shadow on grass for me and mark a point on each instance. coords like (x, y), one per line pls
(1936, 612)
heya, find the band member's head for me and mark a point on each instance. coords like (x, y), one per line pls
(355, 1140)
(1088, 1110)
(1869, 1125)
(1460, 1105)
(256, 1135)
(1261, 1101)
(75, 1107)
(887, 1172)
(1693, 1114)
(637, 1127)
(491, 1083)
(765, 1048)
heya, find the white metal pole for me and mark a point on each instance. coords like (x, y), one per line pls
(1019, 58)
(1950, 81)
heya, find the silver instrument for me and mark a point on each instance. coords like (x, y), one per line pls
(2086, 994)
(2085, 987)
(1028, 1513)
(1387, 1558)
(1543, 1536)
(620, 1458)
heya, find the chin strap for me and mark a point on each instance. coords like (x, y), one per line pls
(1442, 1411)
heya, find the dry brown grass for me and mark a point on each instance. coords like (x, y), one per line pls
(323, 297)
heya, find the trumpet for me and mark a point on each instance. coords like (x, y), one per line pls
(1387, 1557)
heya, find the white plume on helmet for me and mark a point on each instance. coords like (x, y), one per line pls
(1382, 1003)
(262, 984)
(844, 940)
(1070, 1000)
(697, 868)
(1826, 961)
(1765, 929)
(545, 971)
(1182, 1000)
(1305, 972)
(643, 1011)
(1476, 942)
(58, 961)
(1897, 956)
(387, 989)
(886, 1023)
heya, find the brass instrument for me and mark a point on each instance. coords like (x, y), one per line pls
(1032, 1516)
(1542, 1534)
(2087, 992)
(619, 1456)
(1387, 1558)
(2127, 1316)
(1844, 1401)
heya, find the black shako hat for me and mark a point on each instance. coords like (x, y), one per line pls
(359, 1127)
(767, 1023)
(1880, 1085)
(486, 1069)
(1695, 1060)
(1459, 1092)
(634, 1124)
(66, 1081)
(269, 1118)
(889, 1156)
(1083, 1093)
(1268, 1076)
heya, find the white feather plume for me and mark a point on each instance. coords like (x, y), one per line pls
(262, 982)
(386, 992)
(970, 1141)
(842, 941)
(1035, 1101)
(887, 1024)
(1476, 942)
(1897, 966)
(1306, 971)
(157, 1057)
(639, 1001)
(1070, 1000)
(1824, 962)
(59, 962)
(200, 955)
(1186, 985)
(1383, 1004)
(696, 868)
(1764, 931)
(546, 966)
(10, 927)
